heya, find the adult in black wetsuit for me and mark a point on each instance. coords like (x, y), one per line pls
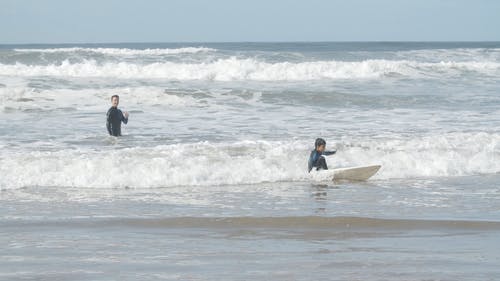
(115, 117)
(316, 159)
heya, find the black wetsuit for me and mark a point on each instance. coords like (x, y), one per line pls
(316, 160)
(114, 119)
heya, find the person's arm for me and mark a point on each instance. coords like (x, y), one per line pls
(310, 162)
(124, 117)
(329, 152)
(108, 122)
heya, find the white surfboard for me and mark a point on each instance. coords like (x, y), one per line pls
(360, 173)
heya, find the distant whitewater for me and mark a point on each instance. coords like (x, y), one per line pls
(119, 51)
(242, 69)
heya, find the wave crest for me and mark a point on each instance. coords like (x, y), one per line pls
(121, 51)
(234, 69)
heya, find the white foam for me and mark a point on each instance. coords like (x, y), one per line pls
(174, 165)
(248, 162)
(122, 51)
(235, 69)
(451, 154)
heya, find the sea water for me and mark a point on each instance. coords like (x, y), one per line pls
(209, 180)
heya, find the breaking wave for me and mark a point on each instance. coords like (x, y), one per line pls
(235, 69)
(247, 162)
(121, 51)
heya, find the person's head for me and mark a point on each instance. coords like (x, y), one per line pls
(320, 144)
(115, 100)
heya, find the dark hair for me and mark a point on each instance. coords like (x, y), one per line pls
(115, 96)
(319, 142)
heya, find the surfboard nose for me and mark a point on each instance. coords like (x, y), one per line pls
(361, 173)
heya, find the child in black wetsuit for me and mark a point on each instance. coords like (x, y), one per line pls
(316, 159)
(115, 117)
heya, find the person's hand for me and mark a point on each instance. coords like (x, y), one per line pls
(125, 114)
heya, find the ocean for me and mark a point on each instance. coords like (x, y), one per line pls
(209, 180)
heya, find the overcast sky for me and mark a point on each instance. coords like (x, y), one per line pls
(108, 21)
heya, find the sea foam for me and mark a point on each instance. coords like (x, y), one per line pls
(121, 51)
(243, 69)
(247, 162)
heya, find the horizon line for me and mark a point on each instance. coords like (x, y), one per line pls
(276, 42)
